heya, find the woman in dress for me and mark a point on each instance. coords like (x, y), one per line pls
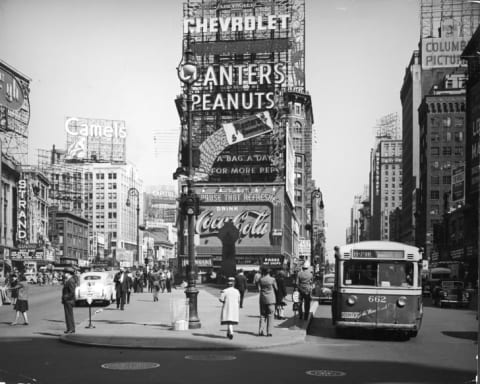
(21, 304)
(230, 298)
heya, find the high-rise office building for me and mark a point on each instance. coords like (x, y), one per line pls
(442, 149)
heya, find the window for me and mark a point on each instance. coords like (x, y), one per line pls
(459, 151)
(298, 161)
(298, 196)
(435, 151)
(459, 137)
(435, 180)
(435, 137)
(434, 194)
(447, 151)
(447, 179)
(298, 178)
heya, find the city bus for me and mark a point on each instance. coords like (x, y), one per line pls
(378, 285)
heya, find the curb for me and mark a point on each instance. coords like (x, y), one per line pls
(87, 343)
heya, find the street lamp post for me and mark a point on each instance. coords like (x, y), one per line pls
(316, 194)
(187, 73)
(133, 192)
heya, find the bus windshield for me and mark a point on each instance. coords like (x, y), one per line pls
(378, 273)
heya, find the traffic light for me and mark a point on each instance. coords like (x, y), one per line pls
(190, 204)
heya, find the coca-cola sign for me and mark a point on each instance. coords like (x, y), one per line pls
(252, 222)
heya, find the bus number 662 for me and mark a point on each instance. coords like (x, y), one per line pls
(377, 299)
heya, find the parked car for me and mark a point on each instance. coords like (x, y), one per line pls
(433, 277)
(98, 286)
(326, 288)
(451, 292)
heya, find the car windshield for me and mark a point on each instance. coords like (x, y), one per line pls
(92, 277)
(378, 273)
(452, 284)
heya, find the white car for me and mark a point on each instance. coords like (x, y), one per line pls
(98, 286)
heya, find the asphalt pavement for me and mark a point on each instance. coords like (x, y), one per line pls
(443, 352)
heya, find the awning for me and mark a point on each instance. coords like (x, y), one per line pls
(248, 267)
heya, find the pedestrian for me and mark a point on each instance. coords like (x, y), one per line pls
(21, 303)
(68, 300)
(230, 299)
(296, 301)
(280, 294)
(168, 280)
(163, 280)
(155, 283)
(304, 283)
(241, 285)
(266, 287)
(256, 278)
(12, 282)
(130, 285)
(121, 287)
(150, 281)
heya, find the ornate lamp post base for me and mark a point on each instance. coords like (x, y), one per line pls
(193, 319)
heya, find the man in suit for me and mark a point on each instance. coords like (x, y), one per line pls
(68, 299)
(241, 285)
(121, 286)
(304, 283)
(267, 287)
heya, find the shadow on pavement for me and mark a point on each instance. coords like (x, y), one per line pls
(462, 335)
(209, 335)
(323, 327)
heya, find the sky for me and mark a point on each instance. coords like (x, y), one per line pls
(116, 59)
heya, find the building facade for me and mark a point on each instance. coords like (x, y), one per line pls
(442, 148)
(69, 234)
(252, 131)
(445, 28)
(472, 156)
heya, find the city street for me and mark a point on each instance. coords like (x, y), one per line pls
(443, 352)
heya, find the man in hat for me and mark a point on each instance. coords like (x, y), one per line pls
(304, 284)
(230, 298)
(241, 285)
(68, 299)
(121, 286)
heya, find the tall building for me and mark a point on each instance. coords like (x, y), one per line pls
(411, 96)
(385, 176)
(97, 192)
(445, 28)
(252, 130)
(442, 148)
(353, 230)
(472, 157)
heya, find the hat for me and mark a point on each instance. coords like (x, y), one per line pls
(231, 280)
(69, 270)
(306, 264)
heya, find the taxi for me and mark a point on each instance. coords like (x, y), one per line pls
(97, 287)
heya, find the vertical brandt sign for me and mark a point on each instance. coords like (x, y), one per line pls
(95, 139)
(22, 211)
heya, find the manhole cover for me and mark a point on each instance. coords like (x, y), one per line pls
(325, 373)
(210, 357)
(130, 365)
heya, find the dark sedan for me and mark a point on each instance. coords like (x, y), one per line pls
(451, 293)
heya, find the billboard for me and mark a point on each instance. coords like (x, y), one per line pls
(95, 139)
(238, 101)
(458, 184)
(22, 211)
(255, 212)
(442, 52)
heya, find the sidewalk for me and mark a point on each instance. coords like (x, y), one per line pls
(147, 324)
